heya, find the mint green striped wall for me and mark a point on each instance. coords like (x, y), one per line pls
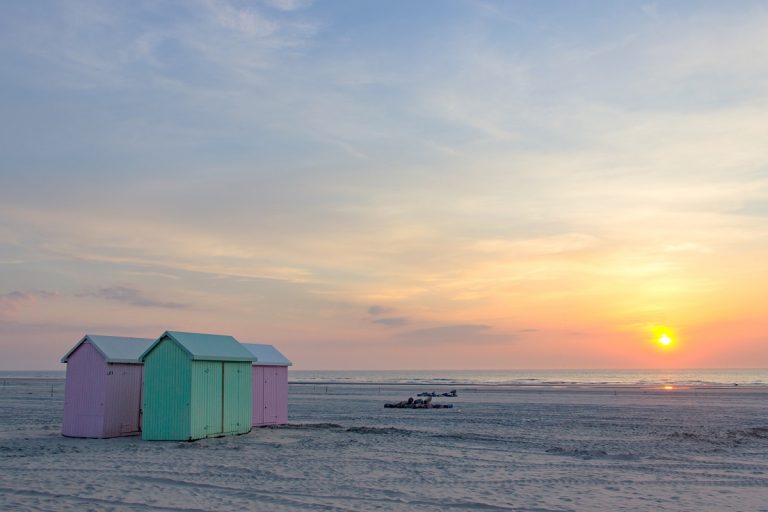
(167, 392)
(186, 399)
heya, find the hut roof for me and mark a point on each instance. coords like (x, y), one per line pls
(115, 349)
(267, 355)
(205, 347)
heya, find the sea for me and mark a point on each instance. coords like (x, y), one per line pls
(651, 377)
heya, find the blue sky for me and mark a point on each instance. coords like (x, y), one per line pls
(497, 174)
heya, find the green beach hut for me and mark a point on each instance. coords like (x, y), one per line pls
(196, 386)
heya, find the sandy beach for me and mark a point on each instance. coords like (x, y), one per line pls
(534, 448)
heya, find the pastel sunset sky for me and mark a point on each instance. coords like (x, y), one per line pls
(388, 185)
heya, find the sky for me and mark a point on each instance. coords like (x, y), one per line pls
(388, 185)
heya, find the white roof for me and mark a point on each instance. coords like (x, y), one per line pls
(115, 349)
(267, 355)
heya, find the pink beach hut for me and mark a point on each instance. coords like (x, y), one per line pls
(102, 393)
(270, 385)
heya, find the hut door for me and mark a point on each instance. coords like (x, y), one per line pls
(236, 398)
(270, 395)
(207, 411)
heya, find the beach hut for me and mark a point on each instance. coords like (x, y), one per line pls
(102, 391)
(270, 385)
(196, 386)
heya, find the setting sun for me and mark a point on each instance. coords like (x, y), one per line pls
(664, 337)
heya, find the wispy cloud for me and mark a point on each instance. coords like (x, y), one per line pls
(276, 159)
(450, 331)
(469, 334)
(245, 20)
(217, 39)
(289, 5)
(15, 301)
(130, 296)
(12, 301)
(394, 321)
(376, 310)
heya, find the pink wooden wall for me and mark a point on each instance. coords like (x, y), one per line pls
(270, 395)
(100, 399)
(84, 392)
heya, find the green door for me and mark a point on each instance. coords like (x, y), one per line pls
(207, 398)
(237, 397)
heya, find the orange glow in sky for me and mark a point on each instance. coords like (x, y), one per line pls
(418, 191)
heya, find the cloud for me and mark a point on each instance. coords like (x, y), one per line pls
(207, 41)
(378, 310)
(390, 321)
(448, 330)
(394, 321)
(130, 296)
(536, 179)
(687, 247)
(247, 21)
(153, 274)
(289, 5)
(458, 333)
(15, 301)
(754, 208)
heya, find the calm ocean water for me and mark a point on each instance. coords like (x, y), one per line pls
(691, 377)
(701, 377)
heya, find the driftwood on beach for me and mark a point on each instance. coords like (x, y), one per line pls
(417, 404)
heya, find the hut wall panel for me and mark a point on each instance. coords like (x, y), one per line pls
(270, 395)
(238, 401)
(123, 399)
(84, 393)
(207, 399)
(281, 392)
(166, 395)
(258, 395)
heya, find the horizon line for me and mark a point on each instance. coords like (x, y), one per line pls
(476, 369)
